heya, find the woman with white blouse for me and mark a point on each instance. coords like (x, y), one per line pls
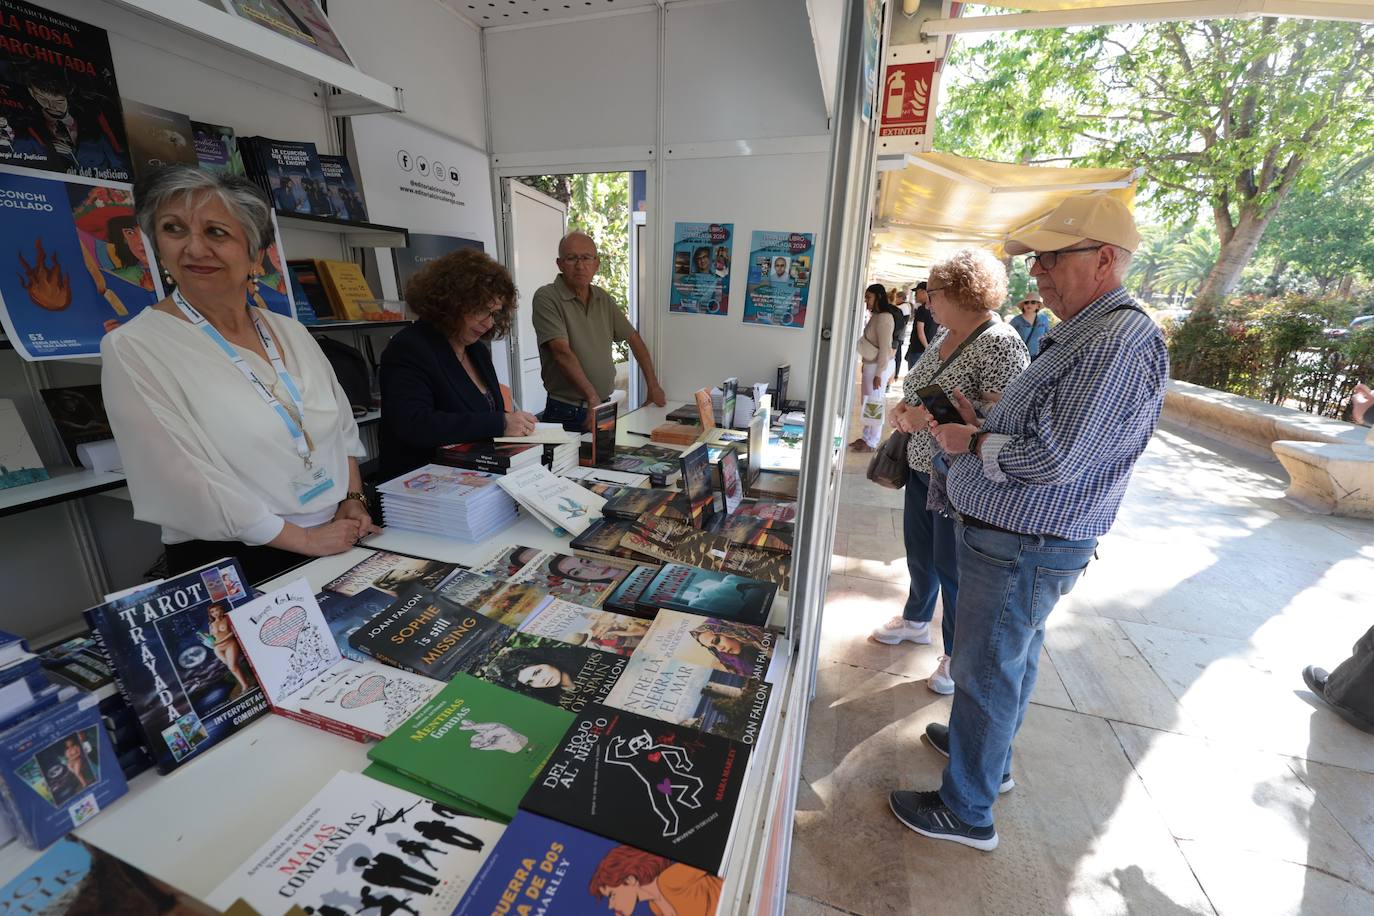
(236, 437)
(977, 354)
(875, 352)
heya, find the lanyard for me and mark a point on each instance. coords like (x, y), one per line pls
(298, 435)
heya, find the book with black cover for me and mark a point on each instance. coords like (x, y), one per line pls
(728, 478)
(79, 414)
(425, 633)
(551, 671)
(61, 111)
(177, 662)
(599, 447)
(158, 137)
(495, 457)
(602, 539)
(666, 789)
(751, 531)
(305, 273)
(633, 503)
(710, 593)
(768, 565)
(344, 195)
(696, 483)
(625, 598)
(667, 541)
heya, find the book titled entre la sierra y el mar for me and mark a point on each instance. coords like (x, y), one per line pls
(665, 789)
(178, 663)
(550, 867)
(480, 742)
(361, 845)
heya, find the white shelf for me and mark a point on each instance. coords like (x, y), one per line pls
(60, 487)
(356, 92)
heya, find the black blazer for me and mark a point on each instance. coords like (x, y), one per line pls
(428, 399)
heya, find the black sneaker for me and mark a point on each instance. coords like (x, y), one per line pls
(925, 813)
(938, 736)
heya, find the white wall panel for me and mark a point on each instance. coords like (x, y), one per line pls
(427, 50)
(577, 85)
(783, 192)
(740, 69)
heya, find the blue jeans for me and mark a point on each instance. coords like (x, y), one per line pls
(1011, 582)
(573, 417)
(930, 558)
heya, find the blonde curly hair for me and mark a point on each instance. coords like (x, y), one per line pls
(972, 278)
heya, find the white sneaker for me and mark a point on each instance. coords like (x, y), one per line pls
(940, 681)
(899, 630)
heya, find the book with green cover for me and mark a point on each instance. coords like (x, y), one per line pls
(399, 780)
(476, 741)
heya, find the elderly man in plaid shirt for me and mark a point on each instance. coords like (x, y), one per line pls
(1033, 486)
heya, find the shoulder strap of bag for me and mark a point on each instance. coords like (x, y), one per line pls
(977, 332)
(1084, 338)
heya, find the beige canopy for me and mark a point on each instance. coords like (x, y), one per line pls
(939, 202)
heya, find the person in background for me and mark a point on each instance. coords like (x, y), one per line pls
(899, 333)
(1362, 405)
(875, 350)
(438, 381)
(1031, 324)
(1032, 487)
(236, 437)
(923, 324)
(970, 353)
(576, 323)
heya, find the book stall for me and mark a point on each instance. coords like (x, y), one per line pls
(572, 671)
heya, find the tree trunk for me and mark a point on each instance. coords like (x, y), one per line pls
(1236, 252)
(1346, 287)
(1280, 268)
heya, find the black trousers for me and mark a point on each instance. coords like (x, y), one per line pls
(259, 563)
(1351, 685)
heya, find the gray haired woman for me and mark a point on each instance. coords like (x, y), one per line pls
(235, 436)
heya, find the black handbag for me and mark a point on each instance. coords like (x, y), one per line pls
(888, 466)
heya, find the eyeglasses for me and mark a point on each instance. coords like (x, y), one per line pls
(935, 289)
(1048, 259)
(579, 258)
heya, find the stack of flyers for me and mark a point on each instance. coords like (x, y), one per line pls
(449, 502)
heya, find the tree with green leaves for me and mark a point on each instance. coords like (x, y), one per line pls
(1233, 115)
(1325, 233)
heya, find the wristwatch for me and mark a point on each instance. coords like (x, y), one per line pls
(973, 440)
(360, 496)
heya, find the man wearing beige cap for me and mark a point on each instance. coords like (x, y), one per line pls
(1033, 486)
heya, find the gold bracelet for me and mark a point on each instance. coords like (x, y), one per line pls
(360, 496)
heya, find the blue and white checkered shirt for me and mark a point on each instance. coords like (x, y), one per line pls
(1064, 437)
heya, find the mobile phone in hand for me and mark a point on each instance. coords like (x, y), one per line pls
(938, 404)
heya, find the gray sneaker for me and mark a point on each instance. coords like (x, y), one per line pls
(938, 736)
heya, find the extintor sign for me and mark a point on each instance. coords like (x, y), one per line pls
(908, 96)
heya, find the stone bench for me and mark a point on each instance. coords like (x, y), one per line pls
(1330, 463)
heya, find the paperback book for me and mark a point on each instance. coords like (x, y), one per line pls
(507, 603)
(602, 540)
(360, 594)
(768, 565)
(631, 504)
(19, 461)
(710, 593)
(78, 412)
(494, 457)
(177, 661)
(696, 484)
(589, 476)
(299, 20)
(709, 642)
(668, 790)
(477, 741)
(555, 868)
(401, 781)
(578, 579)
(694, 696)
(557, 502)
(625, 598)
(362, 845)
(579, 625)
(158, 137)
(598, 446)
(751, 531)
(551, 671)
(425, 633)
(76, 878)
(289, 171)
(774, 509)
(731, 486)
(217, 148)
(344, 195)
(649, 460)
(667, 541)
(294, 656)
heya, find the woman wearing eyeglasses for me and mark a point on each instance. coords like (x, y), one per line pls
(439, 385)
(1031, 324)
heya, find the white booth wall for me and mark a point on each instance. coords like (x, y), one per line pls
(40, 564)
(740, 136)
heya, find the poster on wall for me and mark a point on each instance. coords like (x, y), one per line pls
(73, 263)
(779, 278)
(701, 268)
(425, 247)
(59, 103)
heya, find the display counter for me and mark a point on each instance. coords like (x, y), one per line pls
(194, 826)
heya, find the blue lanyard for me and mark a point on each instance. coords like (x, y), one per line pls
(269, 345)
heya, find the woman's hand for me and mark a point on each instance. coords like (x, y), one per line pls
(519, 423)
(355, 510)
(332, 537)
(910, 417)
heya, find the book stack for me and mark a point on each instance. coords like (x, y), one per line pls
(588, 476)
(450, 502)
(559, 503)
(492, 457)
(675, 433)
(561, 457)
(290, 172)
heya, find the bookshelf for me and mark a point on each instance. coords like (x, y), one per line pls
(357, 234)
(58, 488)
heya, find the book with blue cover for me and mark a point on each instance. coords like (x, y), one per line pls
(74, 878)
(58, 770)
(344, 195)
(177, 662)
(554, 868)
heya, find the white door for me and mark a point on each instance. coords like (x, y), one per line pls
(535, 224)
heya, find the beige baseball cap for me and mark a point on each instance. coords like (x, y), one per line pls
(1101, 218)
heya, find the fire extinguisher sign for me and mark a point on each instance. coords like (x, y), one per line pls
(907, 100)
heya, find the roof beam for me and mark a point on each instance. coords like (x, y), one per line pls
(1151, 12)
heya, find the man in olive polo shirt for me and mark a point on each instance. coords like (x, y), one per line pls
(576, 323)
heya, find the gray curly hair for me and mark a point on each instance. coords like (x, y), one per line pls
(244, 200)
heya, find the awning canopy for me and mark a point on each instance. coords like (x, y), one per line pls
(939, 203)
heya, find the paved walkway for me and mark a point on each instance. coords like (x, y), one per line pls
(1172, 761)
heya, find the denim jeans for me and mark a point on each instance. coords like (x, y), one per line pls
(1010, 583)
(573, 417)
(930, 558)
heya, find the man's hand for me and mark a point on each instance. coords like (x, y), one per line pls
(356, 511)
(519, 423)
(953, 437)
(656, 395)
(965, 408)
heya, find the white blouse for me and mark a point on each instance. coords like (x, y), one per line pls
(205, 457)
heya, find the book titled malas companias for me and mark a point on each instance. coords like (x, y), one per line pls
(361, 845)
(668, 790)
(177, 661)
(305, 676)
(554, 868)
(425, 633)
(559, 503)
(477, 741)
